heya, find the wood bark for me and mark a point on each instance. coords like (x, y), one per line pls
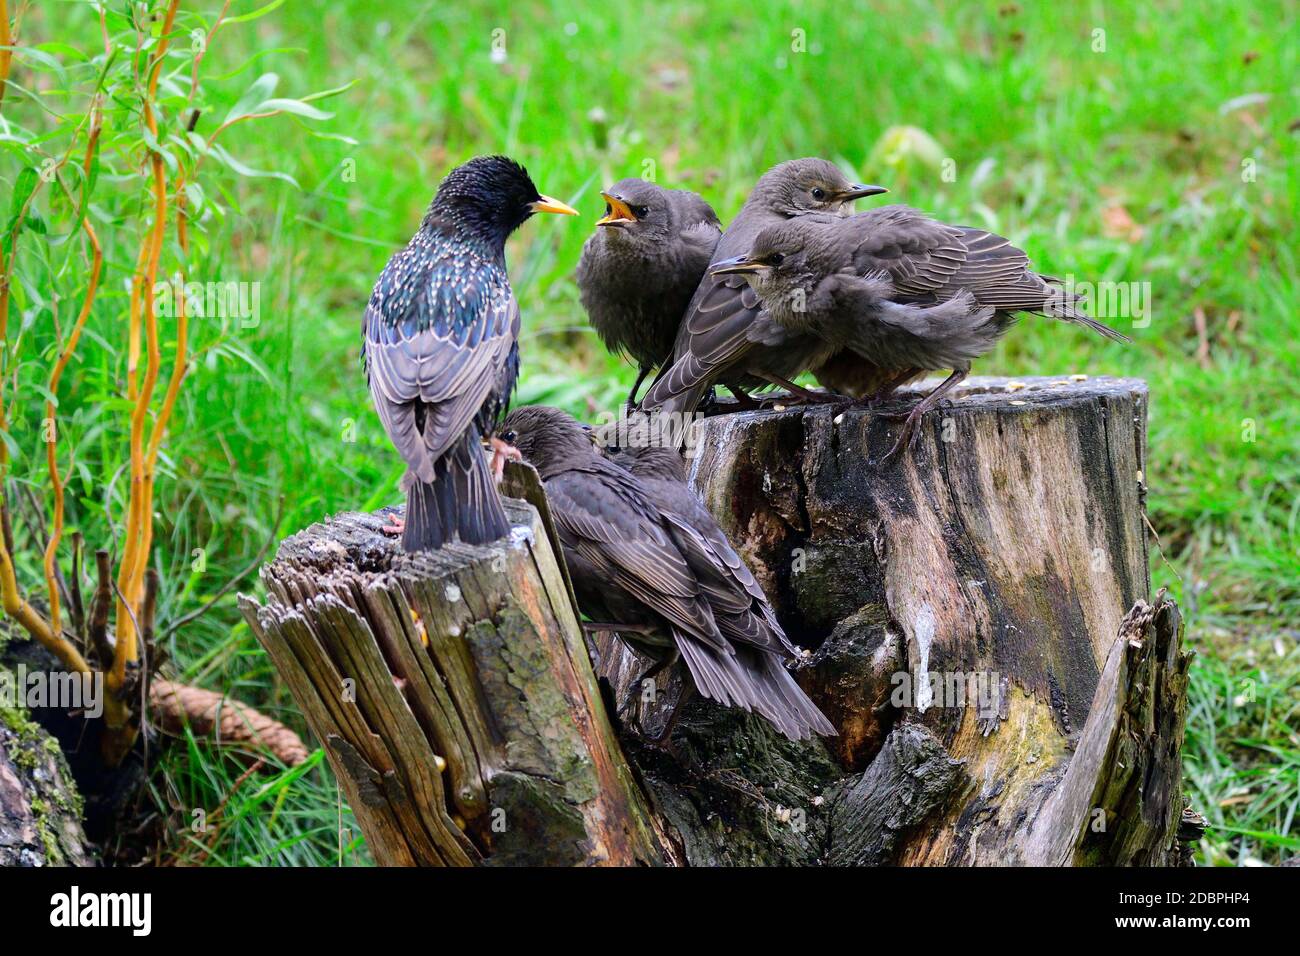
(978, 626)
(40, 810)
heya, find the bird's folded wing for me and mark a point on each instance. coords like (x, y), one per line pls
(739, 604)
(713, 336)
(433, 351)
(920, 255)
(616, 529)
(930, 261)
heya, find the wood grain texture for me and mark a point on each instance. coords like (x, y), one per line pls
(973, 590)
(454, 696)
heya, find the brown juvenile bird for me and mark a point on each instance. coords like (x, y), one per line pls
(441, 349)
(716, 341)
(641, 266)
(667, 582)
(905, 293)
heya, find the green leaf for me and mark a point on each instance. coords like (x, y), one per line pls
(334, 91)
(296, 107)
(31, 53)
(253, 97)
(27, 182)
(248, 171)
(259, 12)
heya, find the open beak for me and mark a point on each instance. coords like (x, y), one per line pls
(619, 213)
(860, 191)
(737, 266)
(547, 204)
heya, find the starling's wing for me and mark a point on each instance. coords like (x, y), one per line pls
(615, 528)
(713, 338)
(739, 604)
(921, 256)
(438, 330)
(929, 261)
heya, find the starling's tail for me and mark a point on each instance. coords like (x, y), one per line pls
(754, 680)
(1070, 314)
(461, 501)
(1061, 305)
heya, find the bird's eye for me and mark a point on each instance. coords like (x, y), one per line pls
(640, 211)
(509, 437)
(818, 193)
(776, 258)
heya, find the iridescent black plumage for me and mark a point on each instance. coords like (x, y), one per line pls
(441, 349)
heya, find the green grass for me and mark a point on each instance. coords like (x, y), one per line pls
(1046, 134)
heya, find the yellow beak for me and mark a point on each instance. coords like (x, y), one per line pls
(547, 204)
(618, 211)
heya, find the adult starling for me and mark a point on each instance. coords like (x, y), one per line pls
(665, 580)
(638, 271)
(441, 349)
(717, 340)
(906, 293)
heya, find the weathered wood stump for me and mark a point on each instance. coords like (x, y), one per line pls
(963, 602)
(454, 696)
(979, 631)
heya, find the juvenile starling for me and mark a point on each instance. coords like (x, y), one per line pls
(669, 584)
(638, 271)
(441, 349)
(906, 293)
(717, 341)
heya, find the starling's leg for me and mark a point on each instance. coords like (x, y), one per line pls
(802, 394)
(887, 389)
(395, 526)
(744, 401)
(500, 452)
(908, 436)
(636, 387)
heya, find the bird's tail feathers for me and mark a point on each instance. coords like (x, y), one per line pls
(1071, 314)
(1061, 305)
(756, 681)
(460, 503)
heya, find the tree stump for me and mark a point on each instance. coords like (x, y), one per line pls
(979, 631)
(454, 696)
(969, 609)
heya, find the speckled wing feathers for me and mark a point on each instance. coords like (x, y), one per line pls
(437, 334)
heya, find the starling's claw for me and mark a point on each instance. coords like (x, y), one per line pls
(395, 525)
(908, 436)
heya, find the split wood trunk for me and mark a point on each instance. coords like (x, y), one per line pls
(454, 697)
(979, 629)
